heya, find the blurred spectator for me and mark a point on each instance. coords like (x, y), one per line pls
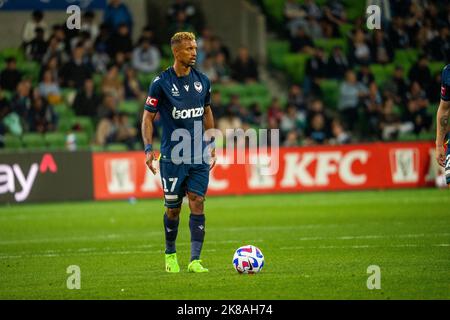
(76, 71)
(350, 93)
(217, 105)
(21, 101)
(244, 68)
(132, 87)
(334, 16)
(420, 72)
(36, 21)
(121, 62)
(88, 24)
(316, 131)
(296, 97)
(49, 88)
(108, 106)
(337, 63)
(291, 120)
(41, 117)
(339, 135)
(121, 41)
(365, 76)
(275, 112)
(207, 67)
(53, 65)
(86, 101)
(316, 66)
(10, 76)
(434, 88)
(439, 47)
(188, 10)
(416, 113)
(359, 49)
(234, 106)
(115, 128)
(5, 109)
(222, 69)
(146, 58)
(381, 48)
(301, 42)
(116, 14)
(55, 49)
(228, 121)
(312, 9)
(313, 28)
(180, 24)
(292, 139)
(372, 104)
(397, 86)
(36, 48)
(294, 16)
(217, 47)
(398, 35)
(390, 124)
(255, 115)
(112, 83)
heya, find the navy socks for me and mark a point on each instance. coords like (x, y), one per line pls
(171, 231)
(197, 226)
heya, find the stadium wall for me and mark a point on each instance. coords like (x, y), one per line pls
(67, 176)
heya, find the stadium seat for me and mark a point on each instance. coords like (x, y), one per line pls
(34, 140)
(295, 66)
(436, 67)
(12, 52)
(131, 106)
(82, 139)
(330, 92)
(329, 44)
(55, 140)
(276, 50)
(145, 79)
(12, 142)
(85, 123)
(116, 147)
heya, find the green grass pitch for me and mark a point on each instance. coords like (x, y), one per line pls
(316, 246)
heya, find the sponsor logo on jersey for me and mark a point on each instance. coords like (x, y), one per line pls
(198, 86)
(187, 113)
(443, 91)
(175, 91)
(186, 87)
(151, 101)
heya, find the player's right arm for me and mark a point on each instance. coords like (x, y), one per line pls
(443, 114)
(150, 110)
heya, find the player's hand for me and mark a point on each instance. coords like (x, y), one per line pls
(213, 158)
(150, 156)
(440, 155)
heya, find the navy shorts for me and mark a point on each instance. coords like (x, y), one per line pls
(177, 179)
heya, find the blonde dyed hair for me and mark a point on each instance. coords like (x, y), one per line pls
(178, 37)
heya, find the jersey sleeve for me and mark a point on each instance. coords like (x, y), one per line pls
(445, 84)
(154, 96)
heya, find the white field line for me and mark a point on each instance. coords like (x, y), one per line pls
(367, 246)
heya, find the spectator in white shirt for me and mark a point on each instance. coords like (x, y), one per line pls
(146, 58)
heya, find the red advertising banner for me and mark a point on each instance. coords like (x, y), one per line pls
(302, 169)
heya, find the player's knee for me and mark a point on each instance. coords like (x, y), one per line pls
(173, 213)
(196, 202)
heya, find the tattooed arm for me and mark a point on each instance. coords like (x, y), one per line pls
(442, 128)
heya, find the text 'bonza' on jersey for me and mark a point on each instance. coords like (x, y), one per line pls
(180, 101)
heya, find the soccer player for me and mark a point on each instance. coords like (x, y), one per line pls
(442, 134)
(181, 95)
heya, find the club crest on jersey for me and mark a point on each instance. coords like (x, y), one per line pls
(187, 113)
(198, 86)
(175, 91)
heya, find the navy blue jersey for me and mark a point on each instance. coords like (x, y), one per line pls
(181, 102)
(445, 83)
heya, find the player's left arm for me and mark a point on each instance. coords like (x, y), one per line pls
(208, 122)
(443, 114)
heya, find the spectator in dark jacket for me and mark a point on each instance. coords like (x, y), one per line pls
(117, 13)
(337, 63)
(421, 73)
(121, 42)
(10, 76)
(86, 101)
(244, 68)
(76, 71)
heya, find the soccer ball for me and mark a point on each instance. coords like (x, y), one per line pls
(248, 259)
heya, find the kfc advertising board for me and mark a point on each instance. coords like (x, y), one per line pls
(301, 169)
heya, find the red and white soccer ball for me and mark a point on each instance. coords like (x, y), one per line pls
(248, 259)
